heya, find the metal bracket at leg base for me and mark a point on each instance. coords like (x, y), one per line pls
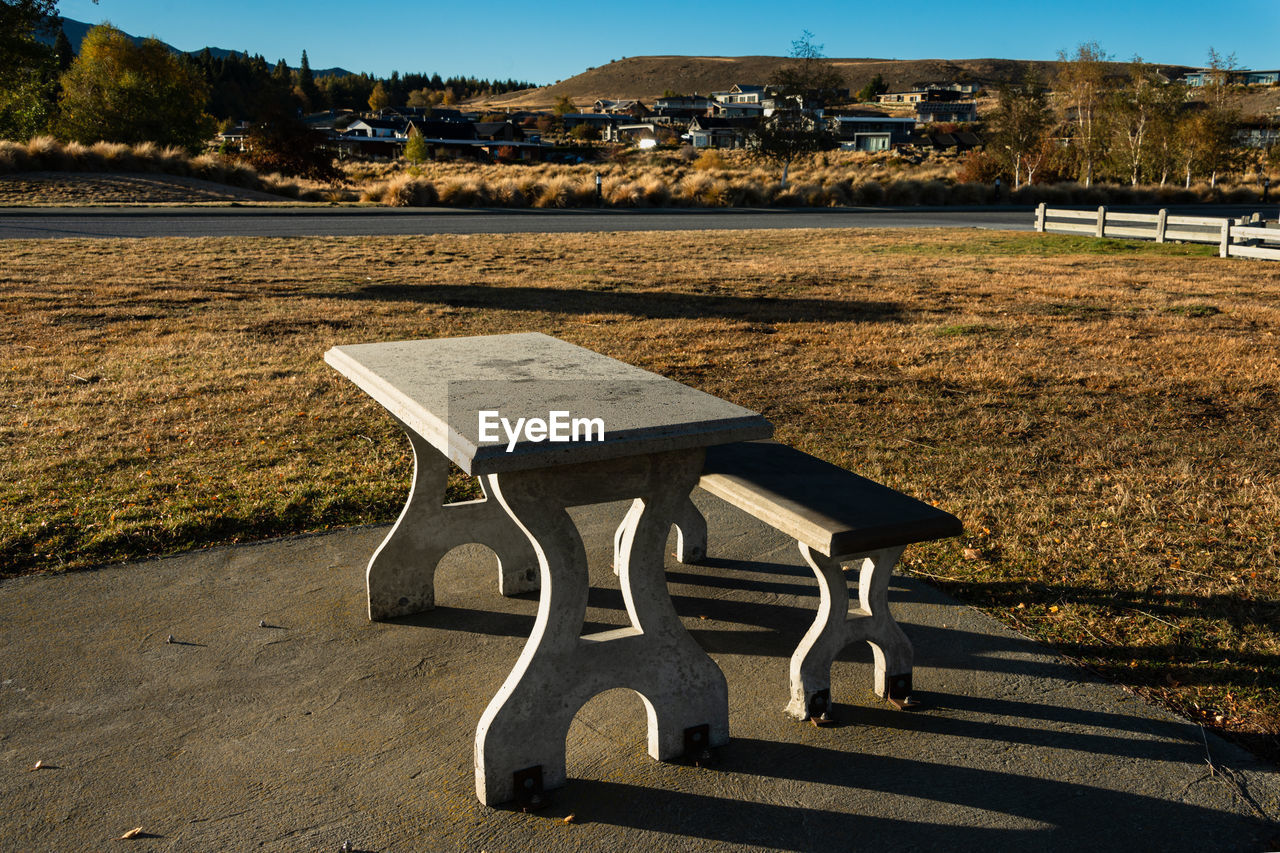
(820, 713)
(528, 787)
(899, 693)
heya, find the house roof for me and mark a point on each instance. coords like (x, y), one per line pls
(705, 123)
(382, 123)
(433, 128)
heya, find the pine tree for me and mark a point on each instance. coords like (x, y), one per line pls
(415, 150)
(63, 50)
(307, 84)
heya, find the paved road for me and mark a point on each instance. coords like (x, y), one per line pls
(299, 222)
(356, 222)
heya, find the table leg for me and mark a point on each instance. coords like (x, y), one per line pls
(836, 626)
(691, 533)
(401, 573)
(559, 670)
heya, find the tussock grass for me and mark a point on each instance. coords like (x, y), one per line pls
(47, 154)
(714, 178)
(1101, 414)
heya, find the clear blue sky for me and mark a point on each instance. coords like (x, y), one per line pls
(546, 41)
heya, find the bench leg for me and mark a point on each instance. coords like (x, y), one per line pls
(401, 574)
(837, 626)
(691, 533)
(525, 726)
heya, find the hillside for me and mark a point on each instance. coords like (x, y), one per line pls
(647, 77)
(76, 31)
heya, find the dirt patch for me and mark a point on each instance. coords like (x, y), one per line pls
(75, 188)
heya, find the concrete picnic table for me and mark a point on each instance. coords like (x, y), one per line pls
(461, 400)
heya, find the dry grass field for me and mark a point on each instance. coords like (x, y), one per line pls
(1102, 415)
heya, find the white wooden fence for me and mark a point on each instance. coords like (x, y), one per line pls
(1235, 238)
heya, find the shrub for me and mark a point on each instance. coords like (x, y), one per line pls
(868, 193)
(463, 192)
(709, 159)
(979, 167)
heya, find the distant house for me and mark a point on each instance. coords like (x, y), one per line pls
(379, 128)
(928, 112)
(600, 121)
(916, 96)
(498, 131)
(736, 109)
(964, 88)
(623, 107)
(1201, 77)
(871, 132)
(682, 107)
(1257, 134)
(706, 132)
(740, 94)
(631, 132)
(954, 141)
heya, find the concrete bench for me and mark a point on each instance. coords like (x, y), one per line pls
(836, 517)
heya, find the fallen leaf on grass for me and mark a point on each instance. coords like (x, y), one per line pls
(569, 819)
(970, 553)
(136, 832)
(37, 765)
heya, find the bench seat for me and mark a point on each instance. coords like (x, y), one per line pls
(836, 517)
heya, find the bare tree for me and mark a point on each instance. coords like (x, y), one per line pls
(800, 89)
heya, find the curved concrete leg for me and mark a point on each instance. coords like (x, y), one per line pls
(401, 574)
(691, 533)
(559, 670)
(836, 626)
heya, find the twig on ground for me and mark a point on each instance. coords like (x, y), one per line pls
(1153, 616)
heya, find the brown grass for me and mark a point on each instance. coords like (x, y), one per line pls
(1102, 415)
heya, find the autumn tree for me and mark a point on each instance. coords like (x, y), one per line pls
(1208, 132)
(379, 99)
(1082, 88)
(1019, 126)
(119, 91)
(1133, 111)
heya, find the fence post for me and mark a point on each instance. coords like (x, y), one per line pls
(1162, 224)
(1102, 220)
(1224, 246)
(1040, 212)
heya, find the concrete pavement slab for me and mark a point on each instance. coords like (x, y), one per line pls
(321, 727)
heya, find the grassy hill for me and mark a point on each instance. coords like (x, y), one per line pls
(647, 77)
(76, 31)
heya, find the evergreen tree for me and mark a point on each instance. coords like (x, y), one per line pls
(307, 85)
(415, 149)
(63, 51)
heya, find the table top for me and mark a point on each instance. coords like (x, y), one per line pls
(439, 387)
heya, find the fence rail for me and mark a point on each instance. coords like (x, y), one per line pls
(1235, 238)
